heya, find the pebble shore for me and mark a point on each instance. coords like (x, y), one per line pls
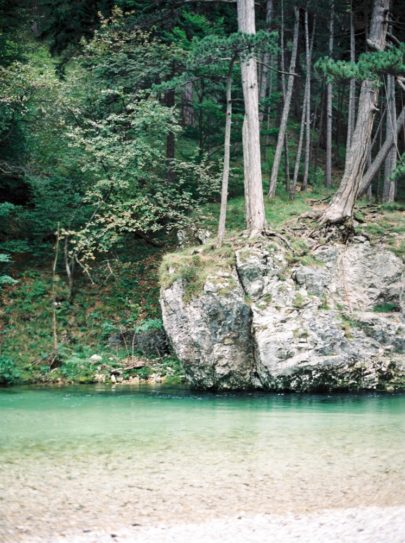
(356, 525)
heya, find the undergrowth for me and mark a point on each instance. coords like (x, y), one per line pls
(124, 296)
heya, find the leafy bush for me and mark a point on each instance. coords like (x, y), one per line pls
(78, 370)
(9, 374)
(5, 279)
(149, 324)
(386, 307)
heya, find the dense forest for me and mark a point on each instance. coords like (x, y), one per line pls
(128, 125)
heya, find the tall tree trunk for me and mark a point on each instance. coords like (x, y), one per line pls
(308, 48)
(369, 162)
(342, 204)
(389, 189)
(329, 105)
(251, 140)
(306, 113)
(170, 140)
(227, 154)
(187, 110)
(284, 89)
(286, 108)
(264, 79)
(270, 91)
(300, 142)
(246, 171)
(351, 118)
(389, 143)
(200, 91)
(318, 125)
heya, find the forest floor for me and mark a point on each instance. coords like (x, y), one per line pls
(123, 293)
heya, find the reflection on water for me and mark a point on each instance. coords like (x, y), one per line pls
(78, 458)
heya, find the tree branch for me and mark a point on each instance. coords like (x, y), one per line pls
(401, 82)
(381, 155)
(272, 67)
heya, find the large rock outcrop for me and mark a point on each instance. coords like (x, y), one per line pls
(269, 320)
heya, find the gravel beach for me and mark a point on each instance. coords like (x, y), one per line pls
(356, 525)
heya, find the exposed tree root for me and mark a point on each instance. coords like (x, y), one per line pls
(272, 233)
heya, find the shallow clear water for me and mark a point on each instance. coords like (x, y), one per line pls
(79, 458)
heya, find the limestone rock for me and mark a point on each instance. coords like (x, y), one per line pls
(192, 235)
(95, 358)
(272, 325)
(211, 333)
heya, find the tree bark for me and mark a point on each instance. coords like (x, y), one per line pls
(382, 154)
(351, 119)
(251, 140)
(342, 204)
(227, 154)
(389, 189)
(286, 108)
(246, 171)
(329, 106)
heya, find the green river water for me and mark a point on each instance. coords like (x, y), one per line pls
(80, 458)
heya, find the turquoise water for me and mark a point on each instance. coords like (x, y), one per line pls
(83, 457)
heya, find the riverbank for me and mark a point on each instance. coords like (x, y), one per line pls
(122, 295)
(356, 525)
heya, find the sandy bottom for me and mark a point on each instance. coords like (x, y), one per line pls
(49, 493)
(89, 469)
(361, 525)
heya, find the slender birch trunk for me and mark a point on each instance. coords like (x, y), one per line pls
(227, 154)
(286, 108)
(352, 89)
(251, 135)
(342, 204)
(329, 104)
